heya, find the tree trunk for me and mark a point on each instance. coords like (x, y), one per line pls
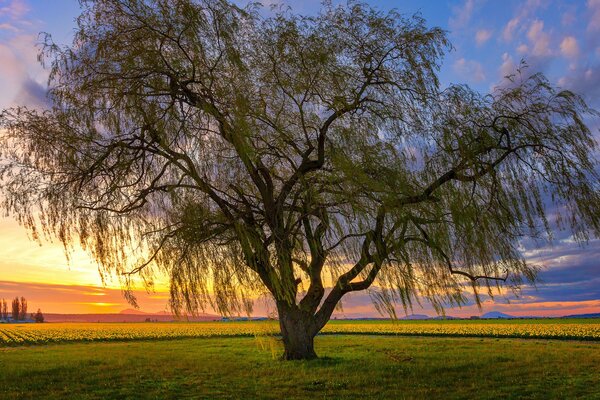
(298, 333)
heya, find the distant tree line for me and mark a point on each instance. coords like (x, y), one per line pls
(18, 311)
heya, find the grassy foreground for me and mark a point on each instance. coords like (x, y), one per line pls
(352, 366)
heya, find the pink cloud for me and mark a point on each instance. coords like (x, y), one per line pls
(514, 25)
(14, 9)
(11, 74)
(482, 36)
(523, 49)
(360, 305)
(508, 66)
(470, 70)
(19, 67)
(8, 27)
(540, 40)
(73, 299)
(569, 47)
(510, 29)
(594, 12)
(461, 15)
(79, 299)
(22, 78)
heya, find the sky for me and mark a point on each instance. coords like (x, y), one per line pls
(489, 38)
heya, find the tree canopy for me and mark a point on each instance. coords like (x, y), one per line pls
(238, 153)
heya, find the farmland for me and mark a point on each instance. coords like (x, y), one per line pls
(359, 359)
(350, 367)
(25, 334)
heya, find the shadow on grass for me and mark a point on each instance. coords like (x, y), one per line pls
(322, 361)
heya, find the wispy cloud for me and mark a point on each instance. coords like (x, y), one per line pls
(482, 36)
(539, 39)
(8, 27)
(510, 28)
(585, 81)
(594, 13)
(13, 9)
(461, 15)
(470, 70)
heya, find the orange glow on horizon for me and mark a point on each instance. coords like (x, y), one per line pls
(76, 299)
(44, 276)
(23, 260)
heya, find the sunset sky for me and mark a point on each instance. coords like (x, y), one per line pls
(558, 38)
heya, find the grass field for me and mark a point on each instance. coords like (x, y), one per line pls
(351, 366)
(19, 334)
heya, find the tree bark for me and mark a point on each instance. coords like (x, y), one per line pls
(298, 333)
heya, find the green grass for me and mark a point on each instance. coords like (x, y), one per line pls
(351, 366)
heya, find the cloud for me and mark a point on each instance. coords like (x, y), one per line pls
(524, 67)
(12, 73)
(271, 3)
(72, 299)
(515, 24)
(584, 81)
(523, 49)
(569, 47)
(21, 75)
(482, 36)
(570, 271)
(8, 27)
(461, 15)
(33, 95)
(469, 70)
(508, 66)
(531, 302)
(594, 13)
(569, 284)
(540, 40)
(510, 28)
(14, 9)
(550, 309)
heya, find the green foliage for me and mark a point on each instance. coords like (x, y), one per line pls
(241, 154)
(4, 310)
(16, 309)
(39, 317)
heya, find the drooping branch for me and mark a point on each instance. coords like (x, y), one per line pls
(237, 152)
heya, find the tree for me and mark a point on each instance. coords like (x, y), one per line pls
(16, 305)
(4, 310)
(23, 309)
(239, 154)
(38, 317)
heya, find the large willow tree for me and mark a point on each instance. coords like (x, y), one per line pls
(237, 153)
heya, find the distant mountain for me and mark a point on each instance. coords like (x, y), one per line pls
(416, 316)
(131, 311)
(443, 317)
(497, 314)
(594, 315)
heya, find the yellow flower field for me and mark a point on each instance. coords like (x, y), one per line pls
(17, 334)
